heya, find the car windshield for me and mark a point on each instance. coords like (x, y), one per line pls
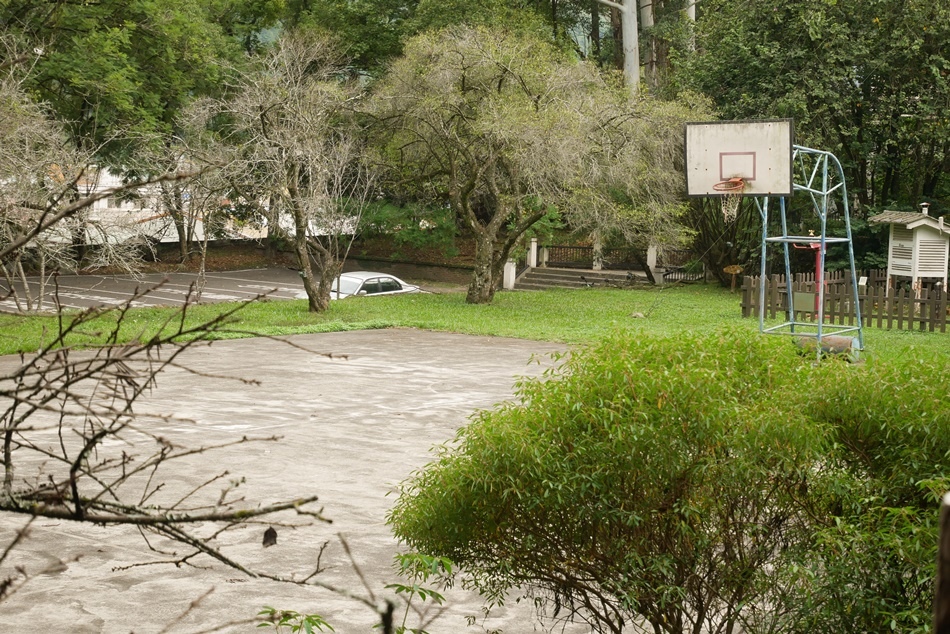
(346, 285)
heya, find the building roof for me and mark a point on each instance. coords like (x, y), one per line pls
(911, 220)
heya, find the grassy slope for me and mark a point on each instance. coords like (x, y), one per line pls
(558, 315)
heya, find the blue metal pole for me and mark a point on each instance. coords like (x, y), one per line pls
(854, 275)
(788, 268)
(820, 277)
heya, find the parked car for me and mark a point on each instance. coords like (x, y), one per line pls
(367, 283)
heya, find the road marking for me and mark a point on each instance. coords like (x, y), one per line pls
(111, 301)
(157, 289)
(262, 287)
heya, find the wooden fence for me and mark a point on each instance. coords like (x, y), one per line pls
(900, 308)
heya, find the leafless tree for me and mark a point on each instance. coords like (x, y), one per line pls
(298, 159)
(75, 448)
(76, 445)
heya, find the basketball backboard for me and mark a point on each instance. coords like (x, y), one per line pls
(759, 152)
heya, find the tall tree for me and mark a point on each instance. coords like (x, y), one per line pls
(293, 149)
(629, 41)
(374, 31)
(631, 193)
(492, 124)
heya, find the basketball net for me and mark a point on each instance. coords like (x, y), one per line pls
(731, 197)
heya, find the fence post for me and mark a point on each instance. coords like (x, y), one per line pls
(747, 303)
(508, 275)
(942, 584)
(533, 253)
(942, 312)
(772, 293)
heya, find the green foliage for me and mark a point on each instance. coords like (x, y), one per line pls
(116, 71)
(290, 621)
(868, 241)
(372, 31)
(420, 569)
(873, 557)
(690, 481)
(868, 80)
(434, 15)
(411, 225)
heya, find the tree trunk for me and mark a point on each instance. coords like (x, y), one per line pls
(631, 46)
(595, 31)
(597, 245)
(482, 288)
(317, 302)
(623, 17)
(647, 20)
(306, 274)
(616, 29)
(174, 206)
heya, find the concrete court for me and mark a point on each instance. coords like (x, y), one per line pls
(351, 429)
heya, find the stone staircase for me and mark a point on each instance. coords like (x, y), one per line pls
(538, 279)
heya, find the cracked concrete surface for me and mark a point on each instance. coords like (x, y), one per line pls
(350, 429)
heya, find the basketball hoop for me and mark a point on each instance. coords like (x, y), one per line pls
(731, 197)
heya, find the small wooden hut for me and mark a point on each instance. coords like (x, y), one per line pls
(919, 246)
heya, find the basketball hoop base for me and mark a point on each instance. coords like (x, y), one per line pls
(835, 345)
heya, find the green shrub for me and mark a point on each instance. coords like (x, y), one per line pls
(872, 562)
(693, 482)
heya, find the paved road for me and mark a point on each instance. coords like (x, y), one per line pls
(350, 430)
(168, 289)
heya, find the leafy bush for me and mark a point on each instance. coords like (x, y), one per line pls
(694, 484)
(290, 621)
(413, 226)
(873, 557)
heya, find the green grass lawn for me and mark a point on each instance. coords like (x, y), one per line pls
(578, 316)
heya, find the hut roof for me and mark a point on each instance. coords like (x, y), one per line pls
(911, 220)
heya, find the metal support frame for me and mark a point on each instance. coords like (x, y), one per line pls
(818, 174)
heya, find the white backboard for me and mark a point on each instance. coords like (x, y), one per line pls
(759, 152)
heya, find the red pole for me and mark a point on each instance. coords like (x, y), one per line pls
(816, 247)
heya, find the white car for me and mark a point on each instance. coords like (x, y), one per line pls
(367, 283)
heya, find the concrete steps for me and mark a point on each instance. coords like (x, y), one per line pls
(544, 278)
